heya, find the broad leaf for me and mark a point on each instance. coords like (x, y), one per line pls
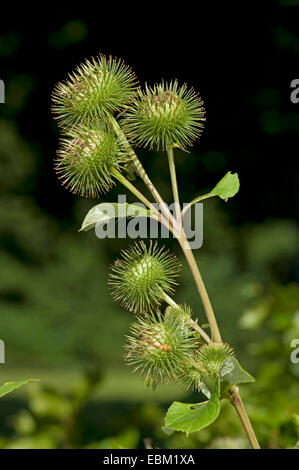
(11, 386)
(102, 213)
(193, 417)
(233, 373)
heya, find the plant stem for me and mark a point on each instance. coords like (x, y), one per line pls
(142, 173)
(235, 397)
(198, 199)
(201, 288)
(140, 196)
(202, 333)
(174, 183)
(131, 188)
(176, 230)
(237, 402)
(169, 300)
(192, 323)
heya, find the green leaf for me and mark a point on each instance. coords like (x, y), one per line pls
(168, 431)
(189, 418)
(11, 386)
(208, 384)
(227, 187)
(233, 373)
(102, 213)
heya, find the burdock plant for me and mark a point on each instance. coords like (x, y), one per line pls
(103, 115)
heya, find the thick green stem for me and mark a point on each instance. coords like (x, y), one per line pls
(234, 395)
(202, 333)
(237, 402)
(174, 183)
(141, 171)
(192, 323)
(140, 196)
(201, 288)
(176, 230)
(235, 398)
(131, 188)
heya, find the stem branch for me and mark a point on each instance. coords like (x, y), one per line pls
(140, 196)
(142, 173)
(176, 230)
(201, 288)
(234, 396)
(174, 183)
(192, 323)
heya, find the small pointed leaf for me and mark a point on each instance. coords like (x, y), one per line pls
(11, 386)
(227, 187)
(102, 213)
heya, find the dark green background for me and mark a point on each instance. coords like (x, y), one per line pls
(57, 317)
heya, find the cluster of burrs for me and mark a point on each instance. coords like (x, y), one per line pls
(162, 347)
(91, 154)
(100, 96)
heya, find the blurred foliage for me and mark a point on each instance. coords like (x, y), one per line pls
(59, 313)
(51, 420)
(274, 321)
(56, 313)
(71, 33)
